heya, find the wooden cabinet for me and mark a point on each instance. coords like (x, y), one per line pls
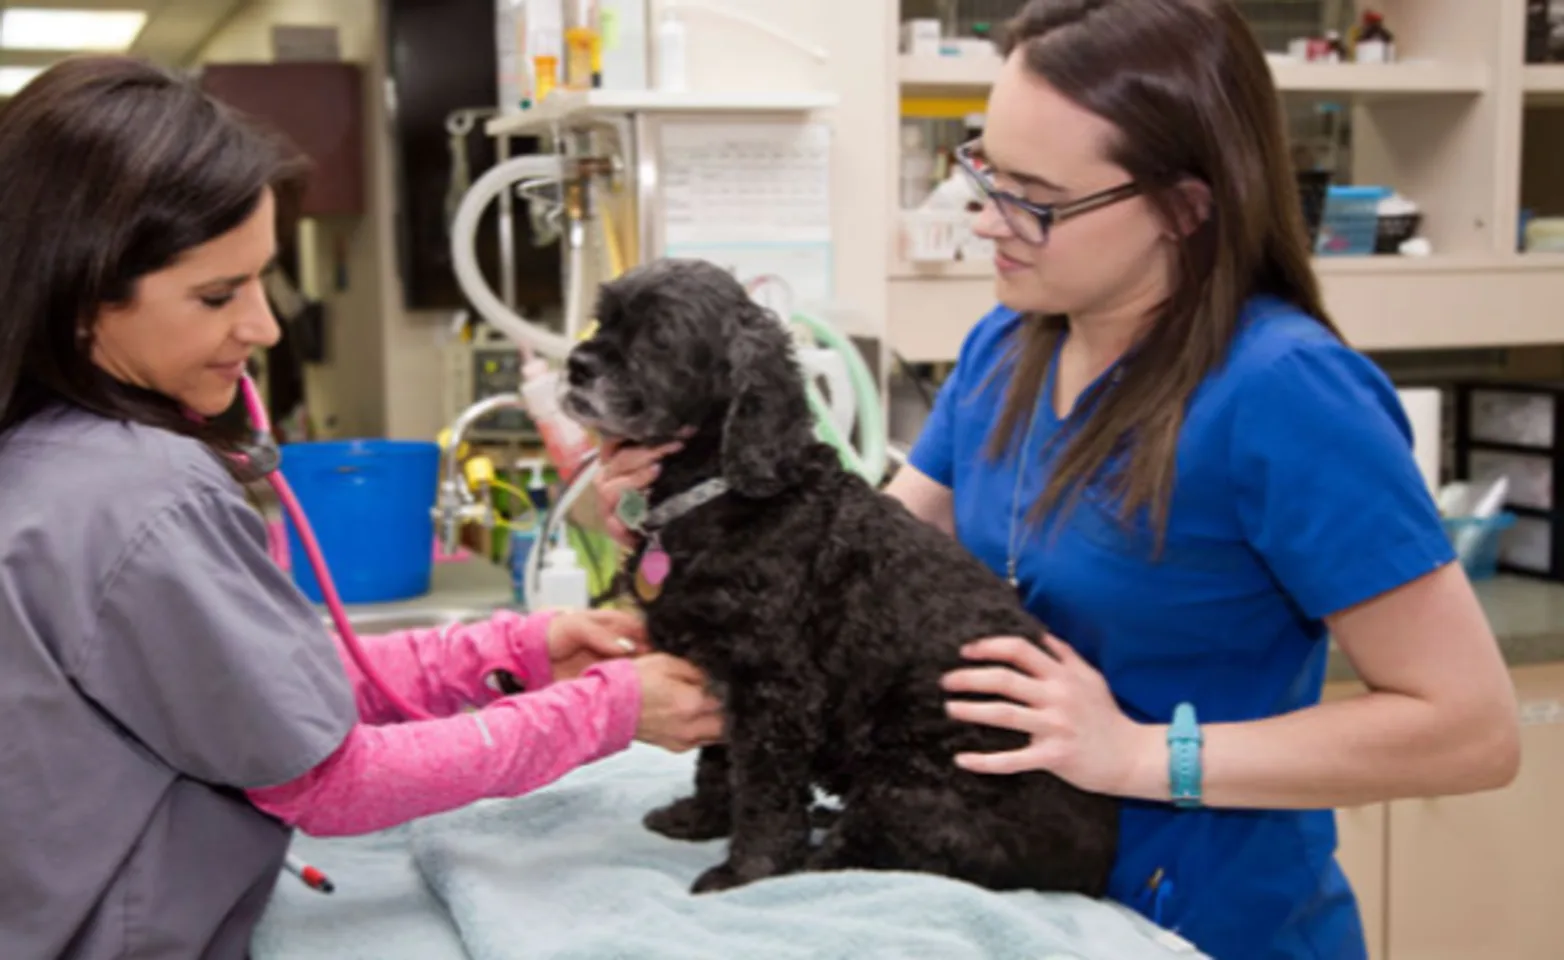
(1483, 876)
(1474, 876)
(1360, 849)
(319, 107)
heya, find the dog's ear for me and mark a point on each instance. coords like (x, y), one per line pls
(768, 421)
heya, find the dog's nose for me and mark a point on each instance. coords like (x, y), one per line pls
(582, 368)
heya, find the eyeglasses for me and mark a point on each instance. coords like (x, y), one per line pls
(1032, 222)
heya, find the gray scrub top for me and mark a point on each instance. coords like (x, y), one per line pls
(154, 663)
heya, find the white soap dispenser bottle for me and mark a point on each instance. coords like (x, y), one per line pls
(562, 583)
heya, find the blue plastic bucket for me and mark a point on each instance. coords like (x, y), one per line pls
(369, 503)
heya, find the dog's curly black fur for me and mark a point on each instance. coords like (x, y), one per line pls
(823, 611)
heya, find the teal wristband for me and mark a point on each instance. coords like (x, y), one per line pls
(1184, 741)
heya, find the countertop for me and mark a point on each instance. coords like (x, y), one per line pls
(1527, 615)
(468, 585)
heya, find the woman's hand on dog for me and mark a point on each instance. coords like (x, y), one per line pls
(578, 639)
(1078, 731)
(625, 468)
(677, 711)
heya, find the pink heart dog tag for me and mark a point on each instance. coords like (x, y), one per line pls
(655, 566)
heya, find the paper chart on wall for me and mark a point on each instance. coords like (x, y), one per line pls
(755, 198)
(804, 268)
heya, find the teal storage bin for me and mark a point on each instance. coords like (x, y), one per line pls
(369, 502)
(1477, 541)
(1350, 223)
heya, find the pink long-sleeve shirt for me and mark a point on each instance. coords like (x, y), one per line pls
(483, 745)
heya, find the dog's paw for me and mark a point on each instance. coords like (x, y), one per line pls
(724, 876)
(688, 819)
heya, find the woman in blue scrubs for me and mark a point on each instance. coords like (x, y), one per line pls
(1195, 483)
(1165, 444)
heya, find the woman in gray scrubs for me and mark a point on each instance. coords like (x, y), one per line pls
(172, 706)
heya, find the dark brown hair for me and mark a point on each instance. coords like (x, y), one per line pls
(1188, 90)
(111, 169)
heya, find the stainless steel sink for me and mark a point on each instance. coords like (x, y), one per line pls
(388, 621)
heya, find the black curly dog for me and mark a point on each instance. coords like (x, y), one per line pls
(823, 611)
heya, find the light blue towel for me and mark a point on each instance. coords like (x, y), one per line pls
(569, 873)
(381, 910)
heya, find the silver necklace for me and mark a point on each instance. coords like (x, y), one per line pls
(1013, 558)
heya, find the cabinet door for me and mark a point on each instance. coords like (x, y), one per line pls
(1361, 849)
(319, 108)
(1483, 875)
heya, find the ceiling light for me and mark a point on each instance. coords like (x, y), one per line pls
(24, 28)
(13, 79)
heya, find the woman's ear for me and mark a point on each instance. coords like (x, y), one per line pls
(1191, 206)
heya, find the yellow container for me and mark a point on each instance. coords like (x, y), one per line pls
(546, 70)
(583, 59)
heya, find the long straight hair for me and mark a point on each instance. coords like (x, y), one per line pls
(112, 168)
(1187, 89)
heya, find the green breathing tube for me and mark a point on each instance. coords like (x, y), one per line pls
(869, 463)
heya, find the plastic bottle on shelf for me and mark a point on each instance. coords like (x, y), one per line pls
(671, 53)
(583, 46)
(562, 582)
(565, 440)
(1374, 43)
(545, 45)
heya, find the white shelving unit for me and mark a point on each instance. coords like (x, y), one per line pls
(972, 75)
(1543, 82)
(1442, 126)
(1412, 78)
(571, 107)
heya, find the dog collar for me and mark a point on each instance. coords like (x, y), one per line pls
(655, 563)
(633, 512)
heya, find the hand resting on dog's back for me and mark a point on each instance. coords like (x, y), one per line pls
(823, 611)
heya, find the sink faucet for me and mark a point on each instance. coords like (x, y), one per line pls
(456, 505)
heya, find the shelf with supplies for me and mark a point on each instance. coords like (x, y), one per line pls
(1380, 302)
(584, 106)
(972, 75)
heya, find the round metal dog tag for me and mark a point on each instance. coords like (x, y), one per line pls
(645, 589)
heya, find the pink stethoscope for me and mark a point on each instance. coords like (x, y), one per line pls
(265, 456)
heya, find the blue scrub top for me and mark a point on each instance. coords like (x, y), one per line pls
(1296, 496)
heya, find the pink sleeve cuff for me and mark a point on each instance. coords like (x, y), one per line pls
(526, 643)
(384, 776)
(624, 708)
(443, 670)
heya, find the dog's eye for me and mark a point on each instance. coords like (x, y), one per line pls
(657, 336)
